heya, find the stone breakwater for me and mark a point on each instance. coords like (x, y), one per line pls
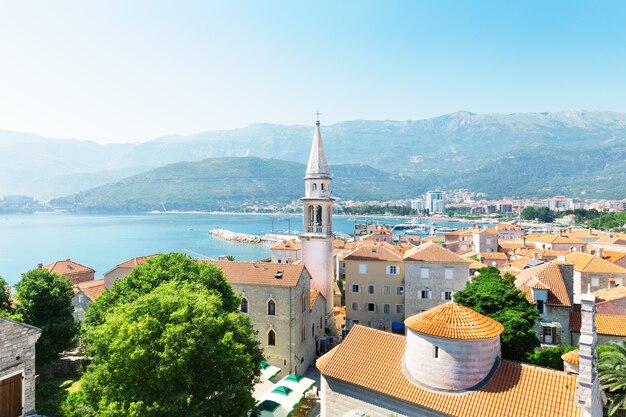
(246, 238)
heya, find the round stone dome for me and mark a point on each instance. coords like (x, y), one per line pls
(451, 348)
(571, 361)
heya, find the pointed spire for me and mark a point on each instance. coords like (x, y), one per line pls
(317, 166)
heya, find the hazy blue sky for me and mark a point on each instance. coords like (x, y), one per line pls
(133, 70)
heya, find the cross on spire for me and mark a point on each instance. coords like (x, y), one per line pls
(317, 117)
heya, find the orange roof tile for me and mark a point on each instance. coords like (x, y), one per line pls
(516, 390)
(557, 239)
(431, 252)
(612, 256)
(454, 321)
(434, 239)
(573, 357)
(606, 324)
(379, 251)
(68, 267)
(133, 262)
(494, 255)
(313, 298)
(92, 289)
(288, 245)
(547, 276)
(260, 273)
(610, 294)
(585, 262)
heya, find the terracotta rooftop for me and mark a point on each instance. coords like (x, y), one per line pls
(313, 298)
(606, 324)
(610, 294)
(612, 239)
(573, 357)
(612, 256)
(585, 262)
(557, 239)
(260, 273)
(494, 255)
(546, 276)
(454, 321)
(431, 252)
(68, 267)
(379, 251)
(509, 227)
(92, 289)
(133, 262)
(288, 245)
(516, 390)
(434, 239)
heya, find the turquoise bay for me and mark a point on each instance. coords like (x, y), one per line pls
(102, 241)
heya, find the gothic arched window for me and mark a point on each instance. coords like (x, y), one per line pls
(271, 338)
(303, 301)
(244, 305)
(314, 187)
(311, 215)
(318, 216)
(271, 308)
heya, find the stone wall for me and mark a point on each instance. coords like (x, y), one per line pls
(17, 355)
(559, 315)
(436, 283)
(339, 398)
(290, 353)
(459, 365)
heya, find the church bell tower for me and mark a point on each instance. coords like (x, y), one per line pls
(317, 209)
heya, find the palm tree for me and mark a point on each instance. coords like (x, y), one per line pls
(612, 366)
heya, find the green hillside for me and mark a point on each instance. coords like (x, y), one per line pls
(229, 183)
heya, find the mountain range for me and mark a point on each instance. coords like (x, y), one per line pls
(572, 152)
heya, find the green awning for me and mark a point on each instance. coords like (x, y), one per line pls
(264, 365)
(294, 377)
(282, 390)
(268, 405)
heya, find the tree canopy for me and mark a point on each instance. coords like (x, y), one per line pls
(5, 299)
(612, 373)
(550, 357)
(543, 214)
(44, 300)
(497, 297)
(171, 352)
(176, 267)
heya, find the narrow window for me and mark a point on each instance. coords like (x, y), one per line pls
(400, 290)
(355, 306)
(386, 308)
(386, 290)
(303, 301)
(314, 187)
(370, 289)
(322, 185)
(313, 330)
(271, 338)
(436, 352)
(540, 306)
(271, 308)
(244, 305)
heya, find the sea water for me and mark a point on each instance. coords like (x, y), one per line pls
(103, 241)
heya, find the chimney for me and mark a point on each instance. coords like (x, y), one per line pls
(68, 260)
(600, 252)
(588, 396)
(222, 258)
(524, 241)
(39, 265)
(535, 255)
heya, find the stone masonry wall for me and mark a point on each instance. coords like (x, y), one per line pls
(339, 398)
(17, 354)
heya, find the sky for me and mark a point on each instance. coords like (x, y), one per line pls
(128, 71)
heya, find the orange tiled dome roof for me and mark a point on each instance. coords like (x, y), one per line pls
(454, 321)
(573, 357)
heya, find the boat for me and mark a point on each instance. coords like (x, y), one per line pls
(412, 232)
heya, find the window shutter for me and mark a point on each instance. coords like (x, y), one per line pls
(556, 336)
(443, 295)
(543, 336)
(388, 270)
(430, 295)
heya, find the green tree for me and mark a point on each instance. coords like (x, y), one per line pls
(172, 352)
(550, 357)
(44, 300)
(5, 299)
(529, 213)
(176, 267)
(496, 297)
(612, 367)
